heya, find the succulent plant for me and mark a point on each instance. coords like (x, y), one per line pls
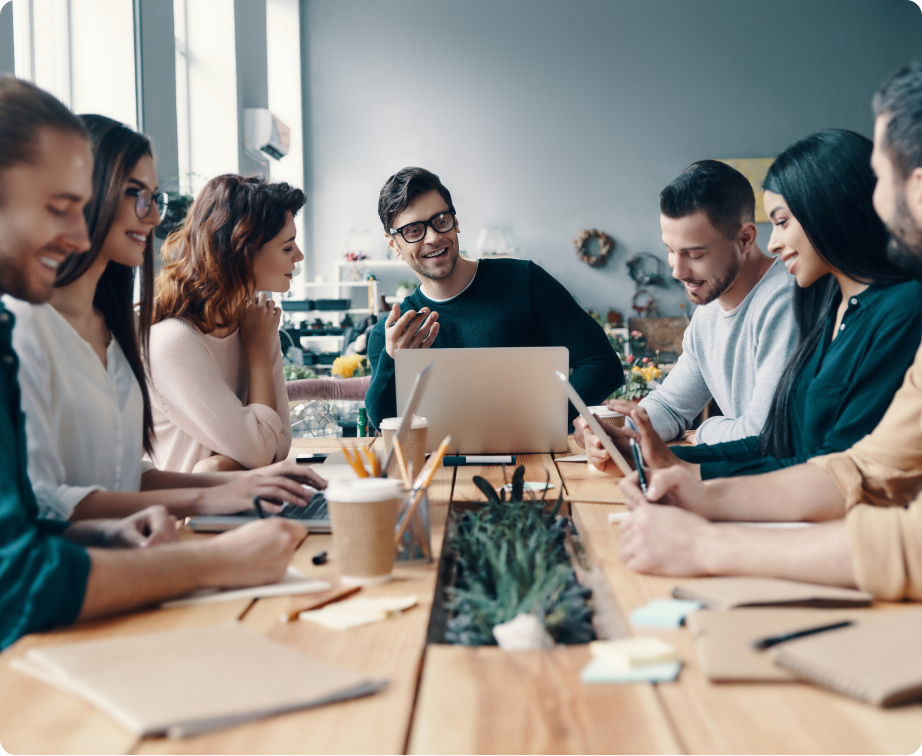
(511, 559)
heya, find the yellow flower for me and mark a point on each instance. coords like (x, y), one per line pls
(648, 373)
(346, 366)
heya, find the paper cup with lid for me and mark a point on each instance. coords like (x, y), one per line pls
(607, 416)
(414, 450)
(363, 515)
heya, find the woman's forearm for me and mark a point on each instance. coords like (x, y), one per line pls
(180, 502)
(261, 386)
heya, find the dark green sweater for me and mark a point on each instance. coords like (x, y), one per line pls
(510, 303)
(843, 390)
(42, 576)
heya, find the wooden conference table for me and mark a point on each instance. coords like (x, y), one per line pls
(450, 699)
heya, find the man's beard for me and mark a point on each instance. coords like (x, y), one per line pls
(905, 246)
(437, 275)
(720, 285)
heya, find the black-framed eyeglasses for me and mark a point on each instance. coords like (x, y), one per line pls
(441, 223)
(145, 198)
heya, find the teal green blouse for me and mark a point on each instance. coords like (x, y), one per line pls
(42, 575)
(843, 390)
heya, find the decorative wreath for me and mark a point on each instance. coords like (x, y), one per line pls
(606, 244)
(644, 304)
(647, 270)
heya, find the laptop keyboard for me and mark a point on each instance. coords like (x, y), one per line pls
(316, 509)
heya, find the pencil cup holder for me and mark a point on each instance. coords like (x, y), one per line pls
(414, 546)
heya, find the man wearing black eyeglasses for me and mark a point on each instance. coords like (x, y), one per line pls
(473, 303)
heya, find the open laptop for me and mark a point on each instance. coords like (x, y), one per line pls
(491, 401)
(316, 515)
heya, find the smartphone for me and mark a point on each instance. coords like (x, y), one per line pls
(307, 459)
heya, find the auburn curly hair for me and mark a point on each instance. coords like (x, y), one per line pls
(207, 273)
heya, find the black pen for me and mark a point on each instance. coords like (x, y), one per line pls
(774, 640)
(259, 508)
(638, 462)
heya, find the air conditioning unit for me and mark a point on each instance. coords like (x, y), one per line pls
(264, 134)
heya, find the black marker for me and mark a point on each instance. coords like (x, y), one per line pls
(638, 462)
(774, 640)
(259, 508)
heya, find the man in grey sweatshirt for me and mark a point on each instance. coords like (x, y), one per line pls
(742, 333)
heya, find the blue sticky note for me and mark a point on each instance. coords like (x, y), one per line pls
(669, 613)
(601, 671)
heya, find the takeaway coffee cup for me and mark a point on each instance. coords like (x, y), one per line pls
(608, 417)
(414, 450)
(363, 515)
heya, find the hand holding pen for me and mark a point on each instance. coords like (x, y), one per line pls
(638, 463)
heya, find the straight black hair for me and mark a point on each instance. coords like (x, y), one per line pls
(827, 182)
(116, 151)
(715, 188)
(404, 187)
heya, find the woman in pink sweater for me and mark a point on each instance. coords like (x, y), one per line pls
(217, 390)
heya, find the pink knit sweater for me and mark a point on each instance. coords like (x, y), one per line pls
(198, 391)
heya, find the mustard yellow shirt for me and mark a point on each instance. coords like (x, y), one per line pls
(880, 478)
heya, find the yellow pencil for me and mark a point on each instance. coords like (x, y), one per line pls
(402, 465)
(421, 483)
(356, 463)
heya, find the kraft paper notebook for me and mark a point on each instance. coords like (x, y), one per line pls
(735, 592)
(190, 681)
(724, 638)
(878, 661)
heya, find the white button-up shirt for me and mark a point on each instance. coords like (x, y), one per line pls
(84, 420)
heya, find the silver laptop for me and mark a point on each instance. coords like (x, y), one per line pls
(491, 401)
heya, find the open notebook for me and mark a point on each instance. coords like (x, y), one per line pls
(190, 681)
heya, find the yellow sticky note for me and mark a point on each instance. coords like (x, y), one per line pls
(629, 653)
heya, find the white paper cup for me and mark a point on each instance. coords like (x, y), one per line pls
(608, 417)
(363, 515)
(414, 451)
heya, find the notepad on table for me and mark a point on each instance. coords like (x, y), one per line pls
(733, 592)
(294, 583)
(724, 638)
(663, 613)
(191, 681)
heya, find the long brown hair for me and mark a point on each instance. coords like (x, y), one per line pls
(207, 273)
(116, 151)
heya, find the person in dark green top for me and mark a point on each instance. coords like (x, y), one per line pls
(859, 317)
(473, 303)
(52, 572)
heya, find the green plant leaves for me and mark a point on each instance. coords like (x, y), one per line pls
(511, 559)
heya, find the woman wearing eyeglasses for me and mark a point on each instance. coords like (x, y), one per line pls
(220, 400)
(88, 415)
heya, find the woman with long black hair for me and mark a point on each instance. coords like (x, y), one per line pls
(82, 366)
(859, 317)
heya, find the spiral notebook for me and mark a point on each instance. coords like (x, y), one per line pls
(878, 661)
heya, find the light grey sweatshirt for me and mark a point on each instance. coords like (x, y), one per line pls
(736, 357)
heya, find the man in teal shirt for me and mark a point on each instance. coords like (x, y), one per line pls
(52, 573)
(473, 303)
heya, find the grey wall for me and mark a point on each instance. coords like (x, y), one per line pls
(7, 55)
(252, 70)
(548, 117)
(158, 87)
